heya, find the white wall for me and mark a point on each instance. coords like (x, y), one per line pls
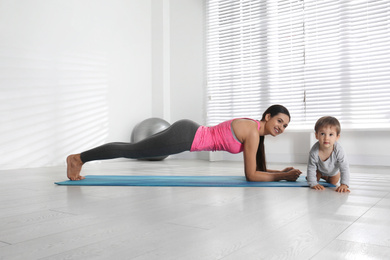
(362, 147)
(73, 74)
(178, 62)
(187, 63)
(179, 87)
(368, 148)
(178, 59)
(187, 60)
(76, 74)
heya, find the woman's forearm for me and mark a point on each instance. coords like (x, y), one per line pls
(291, 175)
(266, 176)
(273, 171)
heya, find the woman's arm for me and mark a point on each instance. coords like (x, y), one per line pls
(284, 170)
(251, 144)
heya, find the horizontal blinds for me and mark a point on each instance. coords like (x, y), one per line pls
(347, 58)
(315, 57)
(234, 59)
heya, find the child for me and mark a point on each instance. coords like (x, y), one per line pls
(327, 158)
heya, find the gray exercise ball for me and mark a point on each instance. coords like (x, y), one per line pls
(147, 128)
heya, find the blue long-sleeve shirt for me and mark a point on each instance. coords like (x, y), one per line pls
(335, 163)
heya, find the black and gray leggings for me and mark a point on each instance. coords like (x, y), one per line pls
(175, 139)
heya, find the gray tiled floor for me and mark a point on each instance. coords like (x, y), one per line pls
(39, 220)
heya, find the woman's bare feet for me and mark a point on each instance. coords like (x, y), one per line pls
(74, 167)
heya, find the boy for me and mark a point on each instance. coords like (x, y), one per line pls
(327, 158)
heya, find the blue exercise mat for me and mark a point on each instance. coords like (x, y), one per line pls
(182, 181)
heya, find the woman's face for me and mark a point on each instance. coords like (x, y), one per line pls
(277, 124)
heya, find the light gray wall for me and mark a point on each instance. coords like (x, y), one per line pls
(362, 147)
(178, 63)
(368, 148)
(178, 59)
(187, 60)
(73, 74)
(76, 74)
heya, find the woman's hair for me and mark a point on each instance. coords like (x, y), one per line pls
(260, 156)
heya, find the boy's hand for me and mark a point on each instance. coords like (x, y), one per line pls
(318, 187)
(342, 188)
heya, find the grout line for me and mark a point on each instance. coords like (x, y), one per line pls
(8, 244)
(187, 226)
(64, 212)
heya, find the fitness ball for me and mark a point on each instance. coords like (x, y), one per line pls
(146, 128)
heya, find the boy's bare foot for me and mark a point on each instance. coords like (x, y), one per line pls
(74, 167)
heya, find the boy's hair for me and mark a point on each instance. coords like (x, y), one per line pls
(328, 121)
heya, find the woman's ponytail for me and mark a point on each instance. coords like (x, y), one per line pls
(260, 156)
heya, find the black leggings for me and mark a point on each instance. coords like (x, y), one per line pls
(175, 139)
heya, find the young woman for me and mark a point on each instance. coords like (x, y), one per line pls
(234, 136)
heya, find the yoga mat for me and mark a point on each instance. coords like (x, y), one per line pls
(182, 181)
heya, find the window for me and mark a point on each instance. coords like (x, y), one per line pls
(314, 57)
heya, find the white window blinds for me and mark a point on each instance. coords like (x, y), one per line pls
(314, 57)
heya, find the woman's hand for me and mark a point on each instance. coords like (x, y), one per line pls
(288, 169)
(291, 174)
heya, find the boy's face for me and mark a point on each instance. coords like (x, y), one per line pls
(327, 136)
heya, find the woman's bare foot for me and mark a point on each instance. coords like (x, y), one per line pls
(74, 167)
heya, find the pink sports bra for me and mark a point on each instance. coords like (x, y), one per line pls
(218, 138)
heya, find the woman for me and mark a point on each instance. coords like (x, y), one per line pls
(234, 136)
